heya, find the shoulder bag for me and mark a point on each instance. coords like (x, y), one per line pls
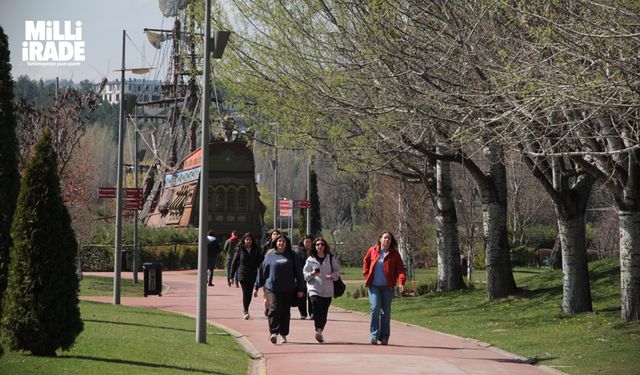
(338, 285)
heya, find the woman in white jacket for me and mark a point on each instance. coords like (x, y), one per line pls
(320, 269)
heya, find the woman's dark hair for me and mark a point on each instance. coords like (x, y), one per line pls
(327, 248)
(254, 245)
(393, 245)
(305, 237)
(270, 244)
(274, 230)
(287, 240)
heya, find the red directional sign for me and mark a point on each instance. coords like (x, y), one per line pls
(303, 203)
(132, 198)
(133, 192)
(285, 207)
(285, 203)
(133, 205)
(106, 192)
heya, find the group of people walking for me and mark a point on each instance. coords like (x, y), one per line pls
(304, 278)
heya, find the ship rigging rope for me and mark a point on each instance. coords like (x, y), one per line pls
(138, 49)
(155, 153)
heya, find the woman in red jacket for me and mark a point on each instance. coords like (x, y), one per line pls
(382, 267)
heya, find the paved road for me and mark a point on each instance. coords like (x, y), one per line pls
(347, 350)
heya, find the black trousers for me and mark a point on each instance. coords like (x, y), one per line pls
(247, 294)
(279, 311)
(303, 302)
(320, 310)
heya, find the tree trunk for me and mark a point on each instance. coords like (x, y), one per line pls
(449, 267)
(556, 253)
(500, 281)
(576, 291)
(630, 264)
(403, 231)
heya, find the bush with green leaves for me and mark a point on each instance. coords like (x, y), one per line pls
(99, 258)
(104, 234)
(40, 311)
(524, 256)
(539, 236)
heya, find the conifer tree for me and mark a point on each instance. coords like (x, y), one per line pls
(301, 220)
(316, 223)
(41, 312)
(9, 176)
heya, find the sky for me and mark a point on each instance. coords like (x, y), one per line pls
(102, 25)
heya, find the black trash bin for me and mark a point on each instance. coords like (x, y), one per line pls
(126, 261)
(152, 278)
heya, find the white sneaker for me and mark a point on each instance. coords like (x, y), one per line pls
(273, 338)
(319, 337)
(284, 340)
(246, 316)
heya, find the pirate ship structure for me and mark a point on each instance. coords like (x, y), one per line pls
(171, 186)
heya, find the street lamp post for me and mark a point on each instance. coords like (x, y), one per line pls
(276, 213)
(218, 43)
(136, 248)
(117, 261)
(118, 239)
(309, 196)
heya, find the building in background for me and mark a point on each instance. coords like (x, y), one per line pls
(145, 90)
(234, 200)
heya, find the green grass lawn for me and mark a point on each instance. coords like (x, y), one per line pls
(531, 324)
(430, 274)
(126, 340)
(103, 286)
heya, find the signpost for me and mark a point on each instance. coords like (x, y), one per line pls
(285, 207)
(133, 199)
(106, 192)
(303, 203)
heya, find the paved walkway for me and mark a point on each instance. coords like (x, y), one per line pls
(411, 349)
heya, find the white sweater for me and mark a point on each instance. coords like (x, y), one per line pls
(319, 285)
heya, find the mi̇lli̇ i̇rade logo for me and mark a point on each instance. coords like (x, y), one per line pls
(53, 43)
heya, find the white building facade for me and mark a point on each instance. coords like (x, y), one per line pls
(145, 90)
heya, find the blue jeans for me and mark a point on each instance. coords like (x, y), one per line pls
(380, 306)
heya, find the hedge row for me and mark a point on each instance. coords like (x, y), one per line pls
(99, 258)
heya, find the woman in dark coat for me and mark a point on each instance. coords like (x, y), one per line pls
(245, 263)
(302, 252)
(282, 278)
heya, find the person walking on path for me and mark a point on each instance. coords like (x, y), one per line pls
(382, 267)
(229, 248)
(269, 247)
(320, 269)
(271, 242)
(213, 248)
(302, 252)
(281, 276)
(244, 266)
